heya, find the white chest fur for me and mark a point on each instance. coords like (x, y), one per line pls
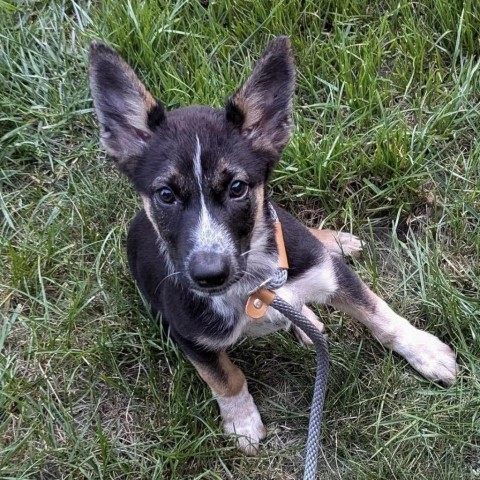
(269, 323)
(316, 285)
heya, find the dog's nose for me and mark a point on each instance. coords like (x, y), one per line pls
(209, 269)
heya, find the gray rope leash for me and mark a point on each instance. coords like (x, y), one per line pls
(259, 299)
(320, 389)
(316, 410)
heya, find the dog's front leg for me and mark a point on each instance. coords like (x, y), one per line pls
(237, 408)
(331, 281)
(425, 352)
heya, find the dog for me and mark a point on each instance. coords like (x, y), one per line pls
(205, 239)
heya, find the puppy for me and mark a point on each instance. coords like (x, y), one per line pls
(205, 240)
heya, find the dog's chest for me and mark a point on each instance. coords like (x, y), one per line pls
(271, 322)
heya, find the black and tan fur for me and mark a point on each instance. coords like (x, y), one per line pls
(205, 236)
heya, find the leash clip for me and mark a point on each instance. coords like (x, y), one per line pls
(258, 303)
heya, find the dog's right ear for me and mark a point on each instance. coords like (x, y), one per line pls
(126, 111)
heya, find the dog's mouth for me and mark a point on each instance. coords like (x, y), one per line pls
(215, 291)
(210, 292)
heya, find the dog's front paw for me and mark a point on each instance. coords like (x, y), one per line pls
(349, 244)
(249, 431)
(431, 357)
(241, 418)
(339, 243)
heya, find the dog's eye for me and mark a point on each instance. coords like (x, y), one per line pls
(165, 195)
(238, 189)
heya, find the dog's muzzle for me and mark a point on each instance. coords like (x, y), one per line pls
(209, 270)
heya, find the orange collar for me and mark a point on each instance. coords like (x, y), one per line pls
(259, 301)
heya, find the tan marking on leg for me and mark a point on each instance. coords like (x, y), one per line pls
(342, 243)
(426, 353)
(423, 351)
(239, 412)
(224, 379)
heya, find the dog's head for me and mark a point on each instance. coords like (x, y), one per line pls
(201, 172)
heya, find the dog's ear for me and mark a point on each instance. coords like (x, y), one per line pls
(262, 107)
(126, 111)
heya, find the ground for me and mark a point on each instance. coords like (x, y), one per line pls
(385, 145)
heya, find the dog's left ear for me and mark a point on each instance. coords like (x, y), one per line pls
(262, 107)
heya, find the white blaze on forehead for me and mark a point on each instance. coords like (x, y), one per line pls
(197, 165)
(209, 234)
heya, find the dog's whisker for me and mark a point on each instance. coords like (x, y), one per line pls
(165, 278)
(241, 274)
(248, 251)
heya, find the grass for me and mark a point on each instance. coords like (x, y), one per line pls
(387, 121)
